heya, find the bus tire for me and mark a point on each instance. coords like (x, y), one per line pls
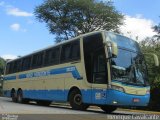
(13, 96)
(108, 109)
(75, 100)
(20, 96)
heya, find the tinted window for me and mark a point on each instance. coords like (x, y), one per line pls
(75, 51)
(123, 41)
(91, 45)
(37, 60)
(17, 66)
(99, 67)
(52, 56)
(66, 51)
(11, 68)
(8, 68)
(70, 51)
(26, 63)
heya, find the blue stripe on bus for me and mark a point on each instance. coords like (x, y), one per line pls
(10, 78)
(22, 76)
(91, 96)
(72, 69)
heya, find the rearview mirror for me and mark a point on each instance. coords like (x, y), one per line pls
(112, 49)
(155, 58)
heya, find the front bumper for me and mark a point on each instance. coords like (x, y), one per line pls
(117, 98)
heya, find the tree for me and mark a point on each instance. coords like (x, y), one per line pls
(151, 45)
(157, 30)
(70, 18)
(2, 65)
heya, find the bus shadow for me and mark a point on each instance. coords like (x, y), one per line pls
(67, 107)
(89, 110)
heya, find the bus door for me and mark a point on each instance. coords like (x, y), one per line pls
(99, 76)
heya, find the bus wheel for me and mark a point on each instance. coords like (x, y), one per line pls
(19, 97)
(13, 96)
(108, 109)
(75, 99)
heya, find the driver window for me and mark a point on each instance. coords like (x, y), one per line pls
(99, 67)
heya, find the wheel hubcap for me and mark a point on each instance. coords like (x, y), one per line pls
(19, 98)
(78, 99)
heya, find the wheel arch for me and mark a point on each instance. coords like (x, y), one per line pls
(13, 90)
(72, 89)
(20, 90)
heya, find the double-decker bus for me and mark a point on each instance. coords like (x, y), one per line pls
(99, 68)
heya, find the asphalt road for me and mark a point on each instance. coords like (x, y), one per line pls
(32, 111)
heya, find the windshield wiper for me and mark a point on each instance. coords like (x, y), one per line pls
(136, 78)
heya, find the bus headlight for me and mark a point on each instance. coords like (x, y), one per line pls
(114, 87)
(148, 92)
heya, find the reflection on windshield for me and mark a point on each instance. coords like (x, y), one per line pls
(139, 68)
(129, 67)
(123, 42)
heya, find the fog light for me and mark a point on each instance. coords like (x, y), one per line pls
(148, 92)
(115, 102)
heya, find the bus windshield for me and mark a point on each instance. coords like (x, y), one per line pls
(129, 66)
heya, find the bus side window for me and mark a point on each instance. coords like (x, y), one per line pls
(52, 56)
(66, 51)
(7, 68)
(17, 65)
(26, 63)
(70, 51)
(75, 52)
(37, 60)
(11, 68)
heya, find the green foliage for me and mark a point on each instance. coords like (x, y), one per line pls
(2, 65)
(157, 29)
(70, 18)
(152, 45)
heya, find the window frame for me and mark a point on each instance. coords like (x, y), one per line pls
(26, 63)
(39, 58)
(17, 65)
(50, 52)
(71, 44)
(30, 60)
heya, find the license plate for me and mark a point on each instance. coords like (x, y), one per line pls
(136, 100)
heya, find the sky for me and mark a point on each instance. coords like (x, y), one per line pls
(21, 33)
